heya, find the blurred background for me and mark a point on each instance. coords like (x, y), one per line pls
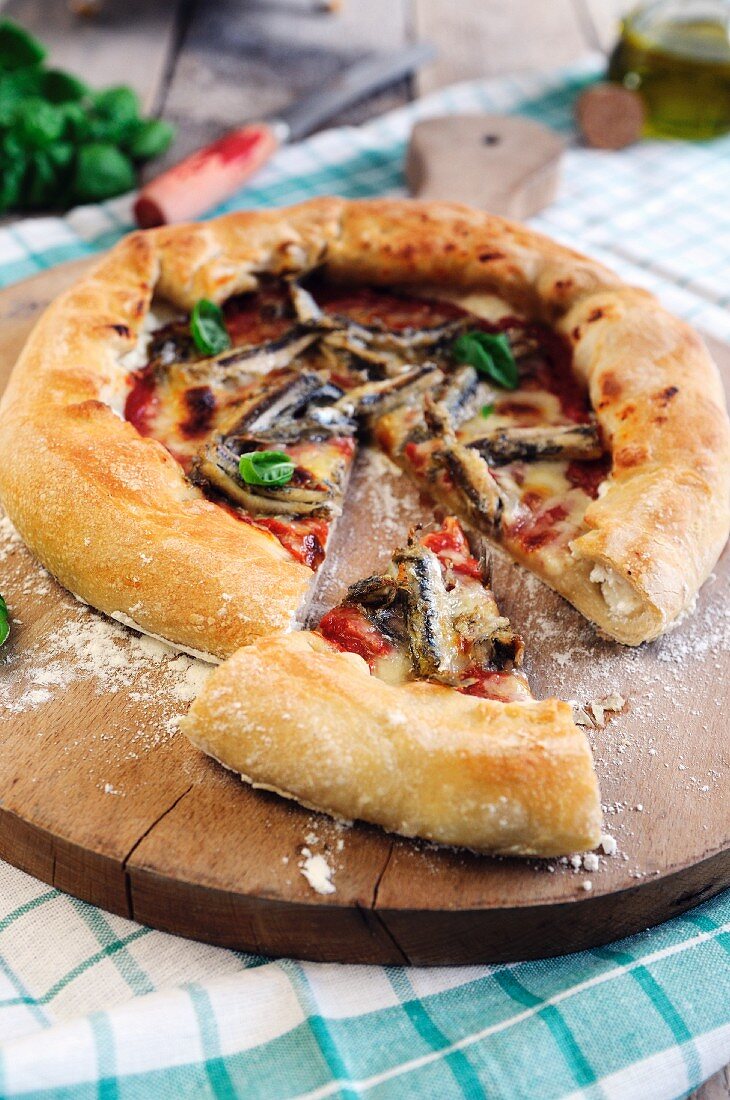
(210, 64)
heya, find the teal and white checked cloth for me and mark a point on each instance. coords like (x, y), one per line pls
(92, 1005)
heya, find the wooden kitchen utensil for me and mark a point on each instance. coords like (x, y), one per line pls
(506, 165)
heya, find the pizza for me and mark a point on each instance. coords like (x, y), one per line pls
(422, 720)
(176, 443)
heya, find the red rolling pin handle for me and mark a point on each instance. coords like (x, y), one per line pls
(205, 178)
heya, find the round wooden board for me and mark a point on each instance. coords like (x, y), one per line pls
(102, 797)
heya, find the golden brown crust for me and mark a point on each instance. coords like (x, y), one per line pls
(109, 512)
(418, 759)
(653, 537)
(664, 520)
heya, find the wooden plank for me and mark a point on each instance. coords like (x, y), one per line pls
(158, 831)
(239, 62)
(127, 43)
(491, 39)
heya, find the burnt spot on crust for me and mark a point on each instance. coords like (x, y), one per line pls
(633, 454)
(610, 386)
(122, 330)
(667, 395)
(563, 284)
(200, 405)
(627, 411)
(487, 257)
(595, 315)
(576, 333)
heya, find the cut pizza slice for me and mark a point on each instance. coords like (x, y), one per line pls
(407, 707)
(432, 615)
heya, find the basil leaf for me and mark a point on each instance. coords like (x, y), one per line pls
(149, 138)
(17, 47)
(118, 104)
(490, 353)
(16, 86)
(60, 87)
(11, 181)
(37, 123)
(77, 125)
(208, 328)
(270, 468)
(4, 622)
(487, 410)
(102, 171)
(41, 182)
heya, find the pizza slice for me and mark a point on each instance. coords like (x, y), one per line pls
(407, 707)
(432, 616)
(511, 444)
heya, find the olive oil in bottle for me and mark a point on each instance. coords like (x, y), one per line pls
(676, 54)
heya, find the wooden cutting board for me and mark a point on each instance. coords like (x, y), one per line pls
(101, 796)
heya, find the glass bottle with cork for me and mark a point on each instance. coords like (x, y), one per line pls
(676, 54)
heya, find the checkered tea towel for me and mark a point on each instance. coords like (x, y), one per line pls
(94, 1006)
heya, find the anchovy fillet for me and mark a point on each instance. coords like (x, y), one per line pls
(570, 441)
(471, 475)
(431, 635)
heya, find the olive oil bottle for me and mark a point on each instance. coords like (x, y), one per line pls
(676, 53)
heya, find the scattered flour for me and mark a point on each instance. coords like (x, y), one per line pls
(84, 647)
(317, 872)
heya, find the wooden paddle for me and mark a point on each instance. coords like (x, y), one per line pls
(506, 165)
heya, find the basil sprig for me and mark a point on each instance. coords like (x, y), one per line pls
(487, 410)
(60, 142)
(490, 353)
(4, 622)
(208, 328)
(271, 468)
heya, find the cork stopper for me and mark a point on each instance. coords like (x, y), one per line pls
(610, 116)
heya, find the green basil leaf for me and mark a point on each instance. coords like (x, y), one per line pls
(37, 123)
(119, 104)
(60, 87)
(77, 124)
(16, 86)
(61, 154)
(102, 171)
(208, 328)
(487, 410)
(4, 622)
(149, 138)
(11, 181)
(270, 468)
(490, 354)
(41, 185)
(17, 47)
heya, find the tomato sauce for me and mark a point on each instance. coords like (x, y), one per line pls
(351, 631)
(536, 531)
(305, 539)
(382, 309)
(143, 402)
(417, 456)
(494, 684)
(451, 548)
(588, 476)
(258, 317)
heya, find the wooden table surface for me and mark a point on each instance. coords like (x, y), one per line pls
(208, 64)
